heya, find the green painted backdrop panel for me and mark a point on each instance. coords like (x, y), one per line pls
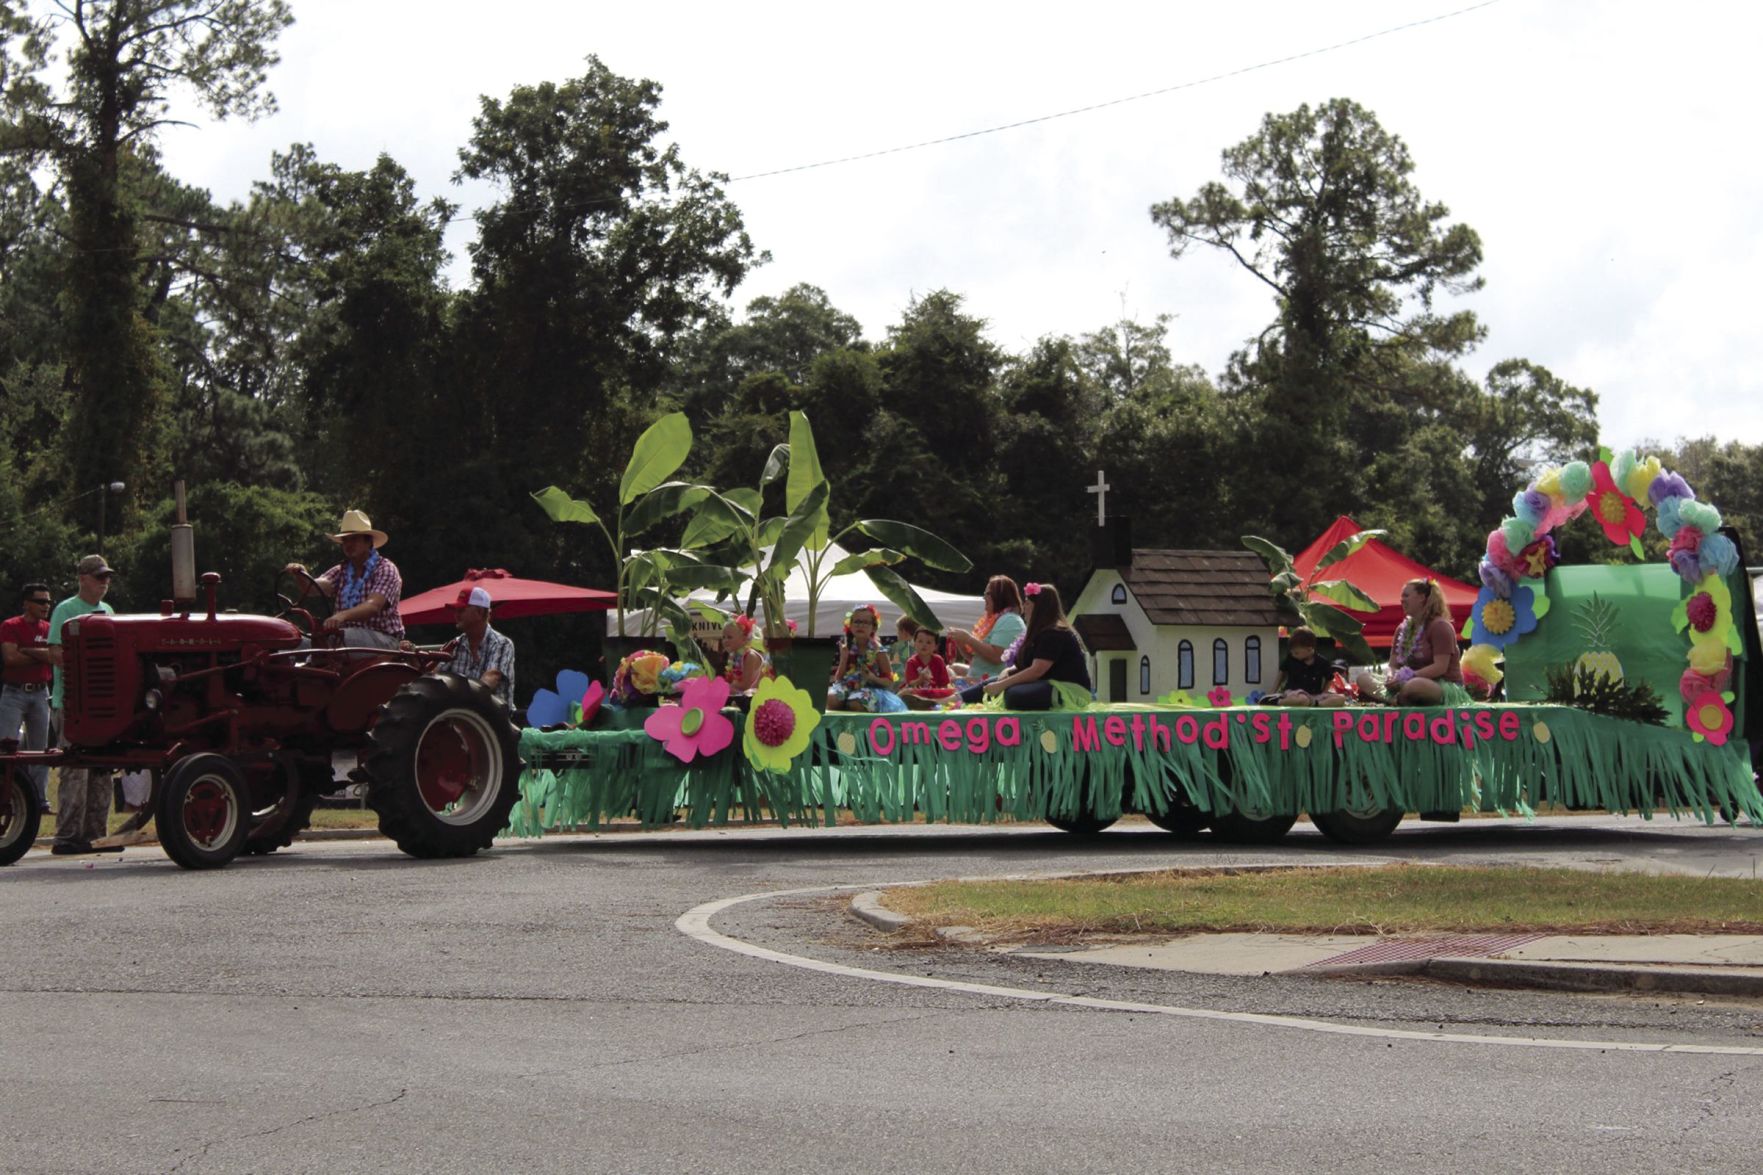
(1643, 596)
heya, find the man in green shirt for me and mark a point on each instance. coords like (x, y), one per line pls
(82, 810)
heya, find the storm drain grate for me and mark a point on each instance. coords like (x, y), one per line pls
(1408, 950)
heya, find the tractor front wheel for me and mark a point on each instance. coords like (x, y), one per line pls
(19, 815)
(203, 813)
(445, 767)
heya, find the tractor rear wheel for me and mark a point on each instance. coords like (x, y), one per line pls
(203, 811)
(444, 763)
(19, 815)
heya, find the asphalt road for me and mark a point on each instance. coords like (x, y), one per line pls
(339, 1007)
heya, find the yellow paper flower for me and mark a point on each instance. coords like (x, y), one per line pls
(1483, 662)
(1550, 483)
(1707, 656)
(1179, 697)
(778, 724)
(1721, 635)
(1640, 479)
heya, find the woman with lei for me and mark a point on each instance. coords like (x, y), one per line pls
(864, 679)
(1424, 658)
(987, 644)
(745, 665)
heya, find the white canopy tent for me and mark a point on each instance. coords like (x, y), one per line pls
(839, 595)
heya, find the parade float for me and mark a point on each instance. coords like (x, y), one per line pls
(1623, 687)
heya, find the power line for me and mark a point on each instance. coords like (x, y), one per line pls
(1188, 85)
(1179, 86)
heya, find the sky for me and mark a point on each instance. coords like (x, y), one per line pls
(1605, 153)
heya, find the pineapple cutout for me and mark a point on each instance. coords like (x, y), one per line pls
(1595, 621)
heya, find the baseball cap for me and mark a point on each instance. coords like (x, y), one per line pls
(95, 565)
(476, 597)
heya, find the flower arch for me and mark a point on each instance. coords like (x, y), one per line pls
(1617, 490)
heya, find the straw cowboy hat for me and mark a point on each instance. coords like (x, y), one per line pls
(355, 522)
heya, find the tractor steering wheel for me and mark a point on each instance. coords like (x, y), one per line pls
(297, 607)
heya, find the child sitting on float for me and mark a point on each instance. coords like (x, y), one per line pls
(926, 681)
(1304, 677)
(745, 664)
(864, 678)
(1425, 662)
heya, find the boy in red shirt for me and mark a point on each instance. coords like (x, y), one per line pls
(927, 675)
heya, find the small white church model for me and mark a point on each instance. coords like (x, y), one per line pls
(1159, 620)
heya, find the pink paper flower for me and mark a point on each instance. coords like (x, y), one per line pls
(1702, 611)
(1708, 715)
(695, 726)
(1694, 683)
(1218, 695)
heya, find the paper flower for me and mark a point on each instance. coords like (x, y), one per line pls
(1218, 696)
(1669, 485)
(1499, 622)
(1531, 506)
(1718, 555)
(1708, 715)
(1539, 557)
(695, 726)
(1501, 556)
(1576, 481)
(551, 707)
(1641, 478)
(1179, 697)
(1549, 482)
(1694, 683)
(584, 712)
(638, 676)
(1621, 466)
(1668, 515)
(1707, 656)
(1621, 519)
(1707, 615)
(1700, 515)
(1517, 533)
(1685, 553)
(1483, 661)
(778, 725)
(1495, 579)
(1255, 696)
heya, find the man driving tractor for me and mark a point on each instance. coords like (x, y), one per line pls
(365, 586)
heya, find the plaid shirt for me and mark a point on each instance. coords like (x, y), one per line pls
(497, 652)
(383, 580)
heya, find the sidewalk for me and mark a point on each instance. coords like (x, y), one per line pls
(1714, 964)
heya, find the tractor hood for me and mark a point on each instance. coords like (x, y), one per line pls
(148, 633)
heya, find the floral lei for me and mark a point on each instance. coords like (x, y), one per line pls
(355, 587)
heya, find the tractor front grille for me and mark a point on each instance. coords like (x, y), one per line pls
(93, 688)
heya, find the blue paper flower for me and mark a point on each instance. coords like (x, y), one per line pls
(1717, 553)
(1668, 516)
(552, 708)
(1499, 621)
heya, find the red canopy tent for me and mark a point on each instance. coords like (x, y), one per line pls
(1379, 572)
(512, 596)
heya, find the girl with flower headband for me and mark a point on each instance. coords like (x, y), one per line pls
(1049, 662)
(745, 664)
(1424, 657)
(864, 679)
(988, 643)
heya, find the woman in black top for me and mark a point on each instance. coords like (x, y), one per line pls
(1050, 651)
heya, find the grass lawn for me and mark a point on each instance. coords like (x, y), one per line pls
(1394, 899)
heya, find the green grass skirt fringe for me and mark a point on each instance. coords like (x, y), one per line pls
(980, 766)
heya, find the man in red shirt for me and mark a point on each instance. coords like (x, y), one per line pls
(29, 666)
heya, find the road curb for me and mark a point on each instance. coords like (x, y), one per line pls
(1593, 977)
(867, 907)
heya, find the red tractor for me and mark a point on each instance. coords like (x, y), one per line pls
(237, 718)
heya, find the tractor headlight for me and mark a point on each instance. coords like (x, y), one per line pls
(153, 700)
